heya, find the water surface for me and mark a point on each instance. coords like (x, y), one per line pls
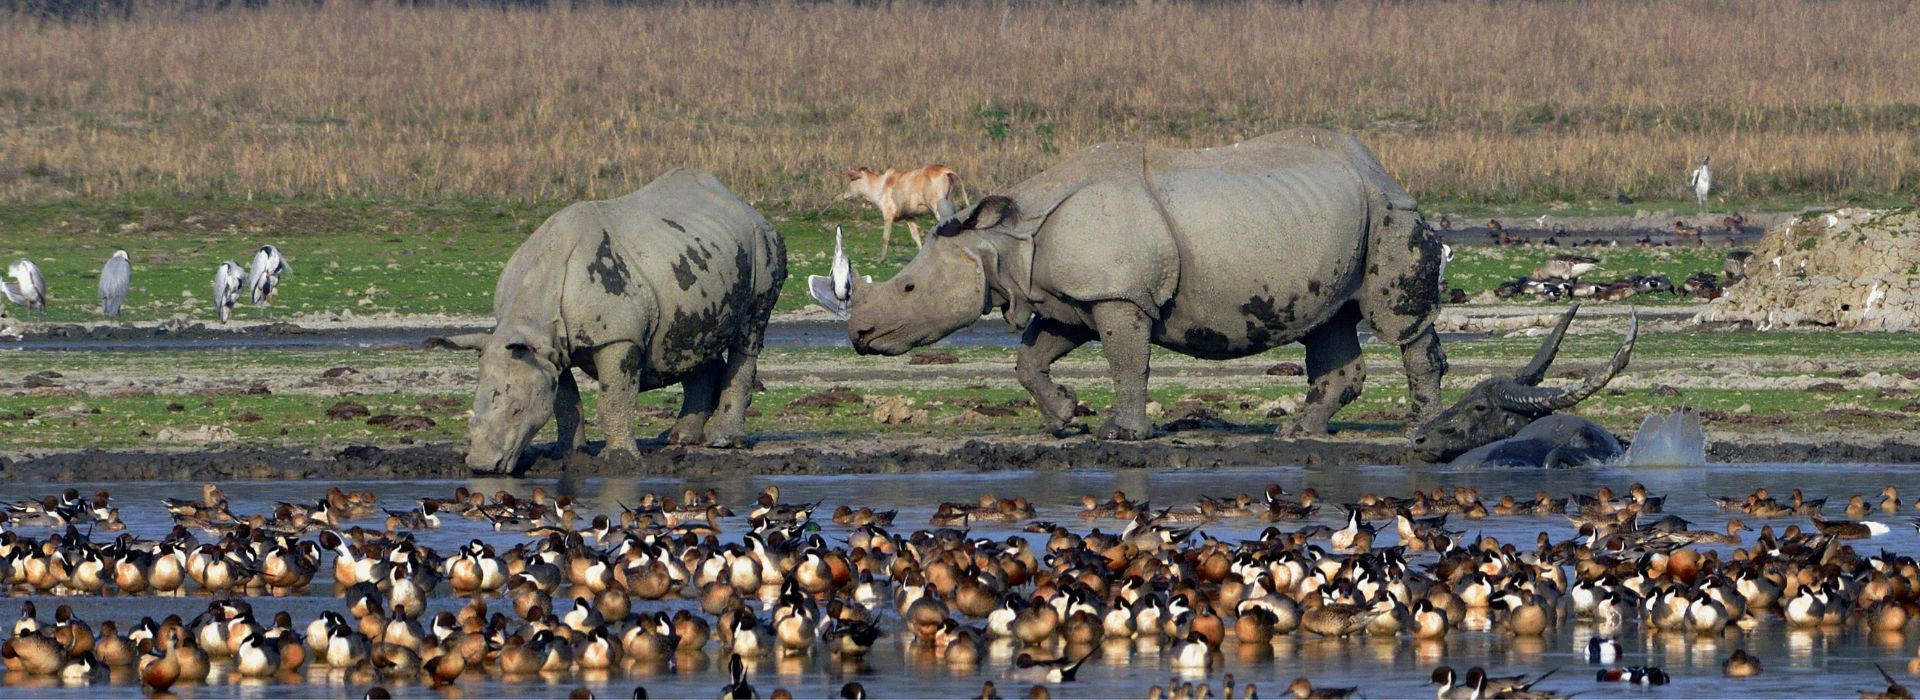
(1831, 664)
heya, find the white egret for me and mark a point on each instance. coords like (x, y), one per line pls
(1702, 181)
(24, 285)
(834, 290)
(113, 283)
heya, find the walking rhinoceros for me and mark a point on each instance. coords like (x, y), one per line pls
(1215, 253)
(670, 284)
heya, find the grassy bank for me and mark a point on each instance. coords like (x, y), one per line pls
(1751, 383)
(442, 257)
(1471, 102)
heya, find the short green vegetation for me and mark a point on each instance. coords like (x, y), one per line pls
(442, 257)
(1749, 383)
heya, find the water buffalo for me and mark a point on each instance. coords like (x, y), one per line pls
(1503, 420)
(670, 284)
(1556, 440)
(1215, 253)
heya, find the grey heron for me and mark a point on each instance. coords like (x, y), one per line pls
(1702, 181)
(263, 277)
(834, 290)
(227, 282)
(24, 286)
(113, 283)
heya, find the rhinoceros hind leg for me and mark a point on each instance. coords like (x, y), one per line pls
(619, 366)
(566, 415)
(1335, 370)
(1043, 342)
(1125, 335)
(738, 375)
(700, 391)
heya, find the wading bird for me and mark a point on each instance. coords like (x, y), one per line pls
(226, 288)
(24, 286)
(834, 290)
(263, 278)
(1702, 181)
(113, 283)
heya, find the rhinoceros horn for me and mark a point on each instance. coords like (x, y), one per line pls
(1524, 396)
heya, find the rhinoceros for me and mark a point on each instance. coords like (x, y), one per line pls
(1509, 420)
(1214, 253)
(670, 284)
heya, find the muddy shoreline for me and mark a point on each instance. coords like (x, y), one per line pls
(845, 456)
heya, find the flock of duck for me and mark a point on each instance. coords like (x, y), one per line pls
(659, 584)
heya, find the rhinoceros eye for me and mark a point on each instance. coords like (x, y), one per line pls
(909, 287)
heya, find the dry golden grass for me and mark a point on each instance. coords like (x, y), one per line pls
(1464, 101)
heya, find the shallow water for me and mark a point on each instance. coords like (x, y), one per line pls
(1797, 663)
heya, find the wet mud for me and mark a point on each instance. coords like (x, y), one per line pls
(841, 455)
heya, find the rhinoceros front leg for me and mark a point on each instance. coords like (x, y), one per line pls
(619, 366)
(1044, 342)
(1124, 337)
(1426, 364)
(700, 392)
(1335, 371)
(566, 415)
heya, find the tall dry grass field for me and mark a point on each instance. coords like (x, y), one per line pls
(1464, 101)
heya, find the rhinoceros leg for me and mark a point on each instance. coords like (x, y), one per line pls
(1335, 370)
(742, 371)
(1045, 341)
(701, 390)
(619, 366)
(1125, 334)
(1402, 298)
(729, 429)
(566, 415)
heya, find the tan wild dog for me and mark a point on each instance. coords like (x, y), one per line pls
(904, 194)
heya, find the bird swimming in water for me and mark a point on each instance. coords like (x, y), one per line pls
(834, 290)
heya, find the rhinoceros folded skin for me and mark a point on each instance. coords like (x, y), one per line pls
(1554, 441)
(672, 284)
(1215, 253)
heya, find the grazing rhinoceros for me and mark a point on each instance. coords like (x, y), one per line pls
(1506, 421)
(1215, 253)
(670, 284)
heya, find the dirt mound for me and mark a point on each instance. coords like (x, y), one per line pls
(1854, 269)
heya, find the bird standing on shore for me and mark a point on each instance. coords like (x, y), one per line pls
(227, 282)
(834, 290)
(263, 278)
(1702, 181)
(24, 286)
(113, 283)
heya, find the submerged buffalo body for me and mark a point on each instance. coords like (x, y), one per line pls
(670, 284)
(1556, 440)
(1509, 420)
(1214, 253)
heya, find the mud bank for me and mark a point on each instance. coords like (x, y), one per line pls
(846, 456)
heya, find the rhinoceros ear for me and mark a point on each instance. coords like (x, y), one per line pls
(990, 212)
(464, 341)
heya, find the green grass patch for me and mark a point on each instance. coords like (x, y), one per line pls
(365, 256)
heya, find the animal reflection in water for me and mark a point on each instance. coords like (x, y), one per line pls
(563, 593)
